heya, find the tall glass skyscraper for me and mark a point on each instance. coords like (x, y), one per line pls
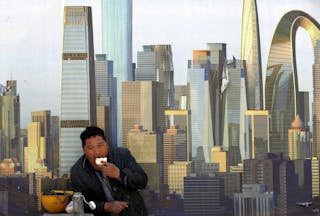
(78, 96)
(195, 79)
(234, 106)
(204, 97)
(250, 51)
(117, 44)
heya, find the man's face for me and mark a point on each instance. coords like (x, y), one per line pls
(95, 147)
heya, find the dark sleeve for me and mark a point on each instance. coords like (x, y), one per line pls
(132, 175)
(80, 183)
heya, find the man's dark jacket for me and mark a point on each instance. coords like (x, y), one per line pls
(85, 180)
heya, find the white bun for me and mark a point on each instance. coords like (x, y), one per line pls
(100, 160)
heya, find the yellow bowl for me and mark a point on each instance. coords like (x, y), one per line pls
(55, 202)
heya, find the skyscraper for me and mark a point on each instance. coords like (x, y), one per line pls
(35, 153)
(155, 64)
(142, 104)
(117, 43)
(181, 118)
(281, 85)
(78, 93)
(304, 107)
(174, 149)
(316, 97)
(195, 81)
(218, 52)
(256, 133)
(10, 121)
(234, 106)
(44, 117)
(250, 52)
(145, 147)
(298, 140)
(104, 82)
(204, 97)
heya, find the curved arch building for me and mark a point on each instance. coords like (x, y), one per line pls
(281, 86)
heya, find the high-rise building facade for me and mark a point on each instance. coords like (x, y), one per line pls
(103, 79)
(254, 200)
(155, 64)
(7, 167)
(203, 195)
(144, 145)
(298, 140)
(315, 172)
(218, 53)
(250, 52)
(10, 121)
(181, 119)
(205, 98)
(289, 180)
(220, 157)
(195, 81)
(146, 148)
(281, 85)
(104, 83)
(304, 107)
(256, 133)
(176, 172)
(44, 117)
(117, 43)
(35, 152)
(142, 104)
(78, 93)
(55, 137)
(316, 97)
(234, 106)
(180, 97)
(174, 149)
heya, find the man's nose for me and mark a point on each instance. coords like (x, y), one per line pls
(97, 152)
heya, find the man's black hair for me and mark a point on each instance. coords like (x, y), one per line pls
(91, 131)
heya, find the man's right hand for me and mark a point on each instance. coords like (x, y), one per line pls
(115, 206)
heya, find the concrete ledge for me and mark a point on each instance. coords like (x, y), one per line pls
(65, 214)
